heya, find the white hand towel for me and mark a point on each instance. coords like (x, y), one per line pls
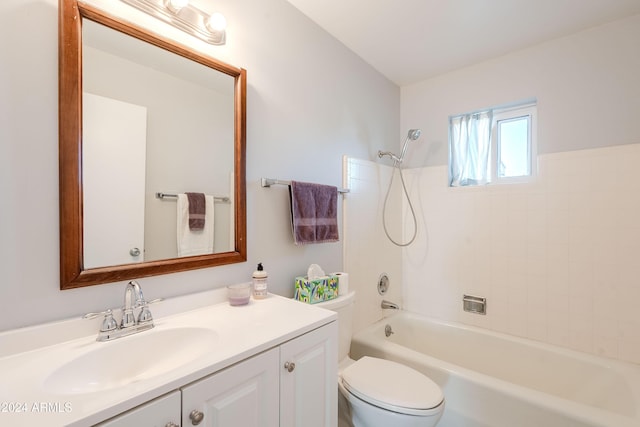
(199, 242)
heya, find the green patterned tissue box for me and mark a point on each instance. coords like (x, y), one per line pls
(317, 290)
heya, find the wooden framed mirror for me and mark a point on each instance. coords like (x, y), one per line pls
(77, 264)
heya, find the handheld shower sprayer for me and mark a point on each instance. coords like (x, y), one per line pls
(412, 135)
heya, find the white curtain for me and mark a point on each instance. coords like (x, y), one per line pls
(470, 149)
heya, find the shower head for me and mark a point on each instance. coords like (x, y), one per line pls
(414, 134)
(411, 136)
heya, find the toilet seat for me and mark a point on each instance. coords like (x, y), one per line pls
(392, 386)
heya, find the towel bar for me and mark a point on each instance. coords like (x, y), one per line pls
(268, 182)
(175, 196)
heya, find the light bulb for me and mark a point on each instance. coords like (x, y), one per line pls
(176, 5)
(217, 22)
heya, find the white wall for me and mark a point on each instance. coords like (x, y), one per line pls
(586, 86)
(556, 258)
(310, 100)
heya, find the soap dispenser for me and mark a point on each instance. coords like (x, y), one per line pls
(259, 282)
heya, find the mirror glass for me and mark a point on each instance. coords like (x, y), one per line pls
(153, 122)
(145, 122)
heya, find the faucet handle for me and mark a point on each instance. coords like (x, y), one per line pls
(108, 323)
(95, 314)
(145, 315)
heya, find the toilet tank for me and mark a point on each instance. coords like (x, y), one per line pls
(343, 305)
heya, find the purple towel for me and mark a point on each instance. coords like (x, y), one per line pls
(314, 212)
(197, 211)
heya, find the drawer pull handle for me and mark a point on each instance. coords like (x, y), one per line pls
(289, 366)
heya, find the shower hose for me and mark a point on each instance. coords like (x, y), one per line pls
(384, 209)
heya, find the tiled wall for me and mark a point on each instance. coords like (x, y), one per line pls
(558, 258)
(367, 252)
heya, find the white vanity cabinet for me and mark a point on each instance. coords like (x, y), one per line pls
(245, 394)
(161, 412)
(309, 387)
(269, 363)
(293, 385)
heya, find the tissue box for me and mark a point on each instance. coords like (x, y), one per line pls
(317, 290)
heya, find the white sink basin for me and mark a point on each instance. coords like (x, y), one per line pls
(131, 359)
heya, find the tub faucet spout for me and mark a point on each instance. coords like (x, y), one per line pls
(389, 304)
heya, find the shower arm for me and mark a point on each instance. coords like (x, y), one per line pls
(395, 158)
(398, 160)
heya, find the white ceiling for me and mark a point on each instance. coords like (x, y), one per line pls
(412, 40)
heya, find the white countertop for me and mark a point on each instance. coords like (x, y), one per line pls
(242, 331)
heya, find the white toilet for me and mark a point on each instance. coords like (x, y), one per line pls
(376, 392)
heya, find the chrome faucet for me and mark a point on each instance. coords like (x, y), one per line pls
(133, 298)
(129, 324)
(389, 304)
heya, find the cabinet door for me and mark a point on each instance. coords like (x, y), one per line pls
(244, 395)
(161, 412)
(309, 388)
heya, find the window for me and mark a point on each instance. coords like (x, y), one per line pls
(492, 146)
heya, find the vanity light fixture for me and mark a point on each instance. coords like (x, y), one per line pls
(187, 17)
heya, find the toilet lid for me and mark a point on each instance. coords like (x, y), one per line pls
(391, 385)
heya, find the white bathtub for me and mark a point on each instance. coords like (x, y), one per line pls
(496, 380)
